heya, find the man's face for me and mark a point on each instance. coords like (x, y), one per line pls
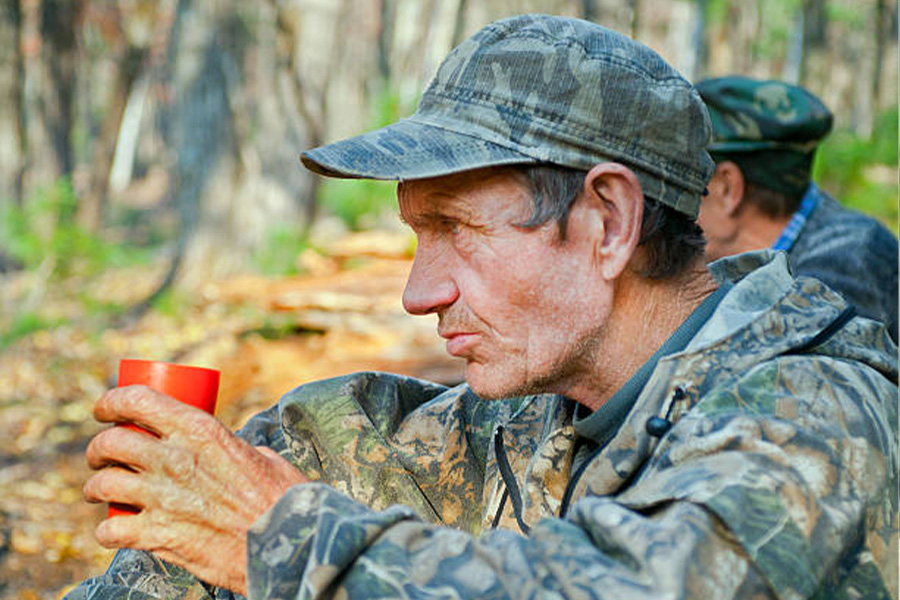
(524, 308)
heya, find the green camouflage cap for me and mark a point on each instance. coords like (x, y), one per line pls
(769, 128)
(749, 114)
(543, 89)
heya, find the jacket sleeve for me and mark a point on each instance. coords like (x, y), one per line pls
(317, 543)
(138, 575)
(782, 485)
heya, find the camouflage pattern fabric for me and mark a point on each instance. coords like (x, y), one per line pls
(770, 128)
(751, 114)
(777, 479)
(539, 88)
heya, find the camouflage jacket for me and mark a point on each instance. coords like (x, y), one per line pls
(774, 475)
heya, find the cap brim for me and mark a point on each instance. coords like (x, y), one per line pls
(408, 149)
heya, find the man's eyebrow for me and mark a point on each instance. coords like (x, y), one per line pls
(424, 218)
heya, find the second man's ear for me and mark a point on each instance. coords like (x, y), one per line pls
(728, 181)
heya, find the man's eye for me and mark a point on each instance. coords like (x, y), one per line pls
(452, 226)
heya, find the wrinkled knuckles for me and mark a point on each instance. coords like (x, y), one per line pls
(136, 399)
(206, 430)
(181, 466)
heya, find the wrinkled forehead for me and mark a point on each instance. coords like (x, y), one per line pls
(487, 193)
(479, 190)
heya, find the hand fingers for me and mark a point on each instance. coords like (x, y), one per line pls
(147, 408)
(114, 484)
(128, 531)
(121, 446)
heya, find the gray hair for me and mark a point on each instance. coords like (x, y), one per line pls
(672, 240)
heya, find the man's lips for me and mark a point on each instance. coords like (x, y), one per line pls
(459, 342)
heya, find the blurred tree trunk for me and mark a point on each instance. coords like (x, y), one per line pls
(12, 110)
(420, 29)
(60, 20)
(741, 29)
(201, 133)
(793, 61)
(885, 21)
(589, 11)
(198, 128)
(814, 65)
(235, 169)
(459, 24)
(634, 11)
(305, 93)
(128, 60)
(387, 16)
(698, 38)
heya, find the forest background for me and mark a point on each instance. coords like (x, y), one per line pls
(152, 203)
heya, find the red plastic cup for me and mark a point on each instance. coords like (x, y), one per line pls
(196, 386)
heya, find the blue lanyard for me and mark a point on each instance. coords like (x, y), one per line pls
(795, 225)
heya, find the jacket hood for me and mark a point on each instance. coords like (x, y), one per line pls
(770, 313)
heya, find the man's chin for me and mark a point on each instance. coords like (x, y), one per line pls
(490, 386)
(484, 385)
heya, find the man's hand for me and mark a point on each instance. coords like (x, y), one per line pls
(199, 486)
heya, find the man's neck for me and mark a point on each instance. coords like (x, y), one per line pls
(757, 231)
(645, 314)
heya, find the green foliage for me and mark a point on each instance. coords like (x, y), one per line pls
(846, 13)
(94, 307)
(775, 36)
(44, 232)
(25, 324)
(359, 202)
(278, 255)
(775, 13)
(862, 172)
(170, 303)
(277, 327)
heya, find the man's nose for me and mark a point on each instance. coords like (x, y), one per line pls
(429, 286)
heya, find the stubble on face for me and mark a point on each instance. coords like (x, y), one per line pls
(562, 365)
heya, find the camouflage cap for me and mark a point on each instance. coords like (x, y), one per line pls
(769, 128)
(536, 89)
(749, 115)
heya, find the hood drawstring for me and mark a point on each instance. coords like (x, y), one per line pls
(828, 332)
(509, 480)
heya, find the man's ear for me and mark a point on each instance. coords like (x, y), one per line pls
(614, 199)
(729, 184)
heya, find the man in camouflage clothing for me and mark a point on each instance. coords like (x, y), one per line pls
(657, 429)
(765, 135)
